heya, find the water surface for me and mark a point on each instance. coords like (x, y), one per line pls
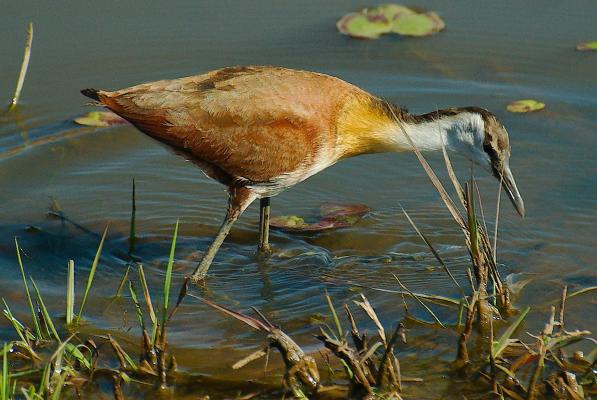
(490, 54)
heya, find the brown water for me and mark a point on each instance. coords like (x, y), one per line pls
(490, 54)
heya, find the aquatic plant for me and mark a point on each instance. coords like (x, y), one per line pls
(372, 22)
(24, 67)
(525, 106)
(587, 46)
(48, 364)
(100, 119)
(332, 216)
(43, 365)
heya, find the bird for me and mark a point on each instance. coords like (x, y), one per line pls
(260, 130)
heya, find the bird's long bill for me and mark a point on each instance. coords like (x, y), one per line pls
(512, 190)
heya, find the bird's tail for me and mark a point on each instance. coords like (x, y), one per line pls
(91, 93)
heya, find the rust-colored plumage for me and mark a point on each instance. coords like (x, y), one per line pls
(260, 130)
(257, 125)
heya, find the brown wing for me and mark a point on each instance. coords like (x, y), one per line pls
(256, 123)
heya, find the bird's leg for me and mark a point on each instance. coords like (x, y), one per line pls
(264, 210)
(239, 200)
(213, 248)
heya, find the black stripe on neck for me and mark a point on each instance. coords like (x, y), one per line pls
(394, 111)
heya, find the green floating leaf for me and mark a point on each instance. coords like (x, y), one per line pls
(389, 11)
(524, 106)
(362, 26)
(370, 23)
(587, 46)
(332, 216)
(287, 221)
(424, 24)
(100, 119)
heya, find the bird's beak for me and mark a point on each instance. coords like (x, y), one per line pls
(512, 190)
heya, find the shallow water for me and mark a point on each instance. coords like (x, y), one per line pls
(490, 54)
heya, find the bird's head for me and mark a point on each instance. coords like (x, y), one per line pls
(472, 132)
(492, 151)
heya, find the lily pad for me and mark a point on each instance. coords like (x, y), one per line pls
(389, 11)
(371, 23)
(333, 216)
(524, 106)
(587, 46)
(288, 221)
(424, 24)
(294, 223)
(101, 119)
(363, 26)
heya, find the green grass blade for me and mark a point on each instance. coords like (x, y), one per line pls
(168, 279)
(132, 231)
(472, 220)
(451, 173)
(43, 323)
(439, 300)
(122, 355)
(137, 306)
(74, 352)
(4, 384)
(130, 361)
(148, 303)
(56, 360)
(92, 273)
(34, 372)
(581, 291)
(44, 383)
(497, 218)
(433, 251)
(45, 312)
(420, 301)
(122, 282)
(19, 328)
(482, 228)
(435, 180)
(56, 395)
(499, 346)
(147, 296)
(27, 293)
(28, 393)
(70, 292)
(334, 316)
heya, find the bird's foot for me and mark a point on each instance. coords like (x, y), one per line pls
(264, 251)
(265, 248)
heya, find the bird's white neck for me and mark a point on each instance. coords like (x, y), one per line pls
(461, 132)
(365, 130)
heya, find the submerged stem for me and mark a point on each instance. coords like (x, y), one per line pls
(24, 67)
